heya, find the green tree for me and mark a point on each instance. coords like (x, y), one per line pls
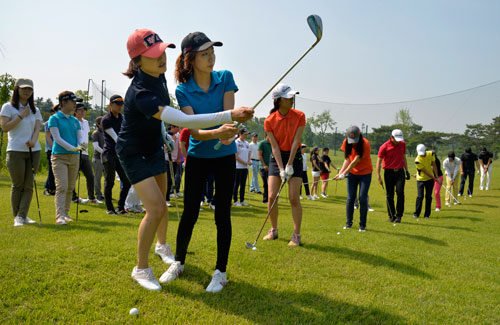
(6, 87)
(321, 123)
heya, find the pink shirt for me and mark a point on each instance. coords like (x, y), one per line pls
(392, 155)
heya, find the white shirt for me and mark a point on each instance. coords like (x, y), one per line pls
(243, 150)
(18, 136)
(254, 151)
(304, 162)
(85, 133)
(174, 153)
(452, 168)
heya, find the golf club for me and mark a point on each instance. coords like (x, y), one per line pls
(449, 192)
(316, 25)
(170, 166)
(34, 183)
(247, 244)
(391, 215)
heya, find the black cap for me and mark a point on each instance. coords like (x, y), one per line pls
(81, 105)
(197, 41)
(70, 96)
(116, 99)
(254, 134)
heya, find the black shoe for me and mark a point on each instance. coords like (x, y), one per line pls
(251, 191)
(415, 216)
(347, 227)
(391, 219)
(100, 198)
(426, 217)
(121, 211)
(362, 229)
(264, 201)
(398, 220)
(259, 192)
(111, 212)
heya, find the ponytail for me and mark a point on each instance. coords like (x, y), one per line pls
(184, 67)
(276, 105)
(133, 67)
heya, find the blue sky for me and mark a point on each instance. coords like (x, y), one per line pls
(371, 51)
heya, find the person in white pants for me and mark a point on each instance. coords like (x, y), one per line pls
(254, 156)
(451, 166)
(485, 161)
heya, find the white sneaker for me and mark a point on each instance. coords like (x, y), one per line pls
(244, 204)
(455, 203)
(480, 188)
(459, 194)
(301, 197)
(60, 221)
(470, 195)
(18, 221)
(179, 194)
(324, 195)
(212, 206)
(172, 195)
(29, 221)
(165, 253)
(236, 204)
(172, 273)
(370, 209)
(83, 201)
(146, 278)
(68, 219)
(438, 209)
(448, 204)
(219, 280)
(169, 204)
(316, 197)
(310, 197)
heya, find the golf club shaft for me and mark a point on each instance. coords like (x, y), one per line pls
(170, 164)
(269, 213)
(449, 192)
(34, 183)
(391, 215)
(78, 194)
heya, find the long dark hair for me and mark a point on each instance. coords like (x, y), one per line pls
(184, 67)
(314, 153)
(15, 100)
(276, 106)
(359, 147)
(133, 67)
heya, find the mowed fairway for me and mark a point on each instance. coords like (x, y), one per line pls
(445, 269)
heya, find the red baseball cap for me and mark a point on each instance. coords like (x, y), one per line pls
(147, 43)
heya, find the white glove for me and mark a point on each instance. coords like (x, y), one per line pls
(169, 142)
(283, 175)
(341, 176)
(289, 171)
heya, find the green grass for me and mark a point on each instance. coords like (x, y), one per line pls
(441, 270)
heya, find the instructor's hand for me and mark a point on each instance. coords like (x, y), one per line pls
(226, 131)
(242, 114)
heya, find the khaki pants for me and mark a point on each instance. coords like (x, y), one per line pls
(452, 188)
(19, 166)
(65, 168)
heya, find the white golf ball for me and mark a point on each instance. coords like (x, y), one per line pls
(338, 233)
(341, 176)
(394, 225)
(254, 248)
(134, 311)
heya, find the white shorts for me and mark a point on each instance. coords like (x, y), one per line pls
(316, 174)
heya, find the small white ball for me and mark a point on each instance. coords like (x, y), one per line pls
(338, 233)
(394, 225)
(341, 176)
(134, 311)
(254, 248)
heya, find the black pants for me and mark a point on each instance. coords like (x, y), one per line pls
(264, 174)
(208, 190)
(111, 165)
(305, 181)
(469, 173)
(240, 182)
(50, 183)
(178, 177)
(421, 187)
(197, 171)
(169, 176)
(395, 180)
(86, 169)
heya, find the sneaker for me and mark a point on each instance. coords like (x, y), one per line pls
(301, 197)
(172, 195)
(146, 278)
(295, 241)
(236, 204)
(437, 209)
(398, 220)
(60, 221)
(259, 192)
(179, 194)
(165, 253)
(111, 212)
(212, 206)
(28, 221)
(347, 227)
(68, 219)
(169, 204)
(324, 195)
(487, 189)
(96, 201)
(415, 216)
(448, 204)
(172, 273)
(426, 217)
(455, 203)
(370, 209)
(316, 197)
(272, 234)
(18, 221)
(100, 198)
(310, 197)
(362, 229)
(252, 190)
(244, 204)
(459, 194)
(265, 201)
(83, 201)
(219, 280)
(480, 188)
(470, 195)
(121, 211)
(48, 193)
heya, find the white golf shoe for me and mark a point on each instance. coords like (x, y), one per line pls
(310, 197)
(28, 221)
(219, 280)
(438, 209)
(146, 278)
(165, 253)
(18, 222)
(244, 204)
(172, 273)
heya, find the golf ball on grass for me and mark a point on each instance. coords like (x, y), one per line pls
(394, 225)
(134, 311)
(254, 248)
(338, 233)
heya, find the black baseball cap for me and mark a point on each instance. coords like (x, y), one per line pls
(81, 105)
(197, 41)
(116, 99)
(70, 96)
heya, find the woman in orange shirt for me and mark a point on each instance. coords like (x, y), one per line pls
(284, 126)
(357, 168)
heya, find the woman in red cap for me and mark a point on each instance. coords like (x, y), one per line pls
(140, 141)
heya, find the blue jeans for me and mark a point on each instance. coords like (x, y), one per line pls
(254, 185)
(352, 188)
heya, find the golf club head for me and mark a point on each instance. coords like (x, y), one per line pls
(84, 211)
(316, 25)
(248, 245)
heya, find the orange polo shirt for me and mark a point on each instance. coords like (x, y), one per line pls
(364, 166)
(285, 127)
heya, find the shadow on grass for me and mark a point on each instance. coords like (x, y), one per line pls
(266, 306)
(484, 205)
(371, 259)
(425, 239)
(90, 225)
(473, 219)
(436, 226)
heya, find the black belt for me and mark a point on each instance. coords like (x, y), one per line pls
(255, 159)
(395, 170)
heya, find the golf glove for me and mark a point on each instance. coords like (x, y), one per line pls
(289, 171)
(407, 175)
(283, 175)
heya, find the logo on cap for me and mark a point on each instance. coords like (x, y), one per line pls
(151, 39)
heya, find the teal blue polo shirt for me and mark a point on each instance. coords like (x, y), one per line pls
(202, 102)
(68, 127)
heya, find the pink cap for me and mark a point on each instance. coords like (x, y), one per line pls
(147, 43)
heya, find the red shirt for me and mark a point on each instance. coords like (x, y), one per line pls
(285, 127)
(185, 134)
(364, 166)
(392, 155)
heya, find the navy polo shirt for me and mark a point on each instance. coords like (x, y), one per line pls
(141, 132)
(202, 102)
(110, 121)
